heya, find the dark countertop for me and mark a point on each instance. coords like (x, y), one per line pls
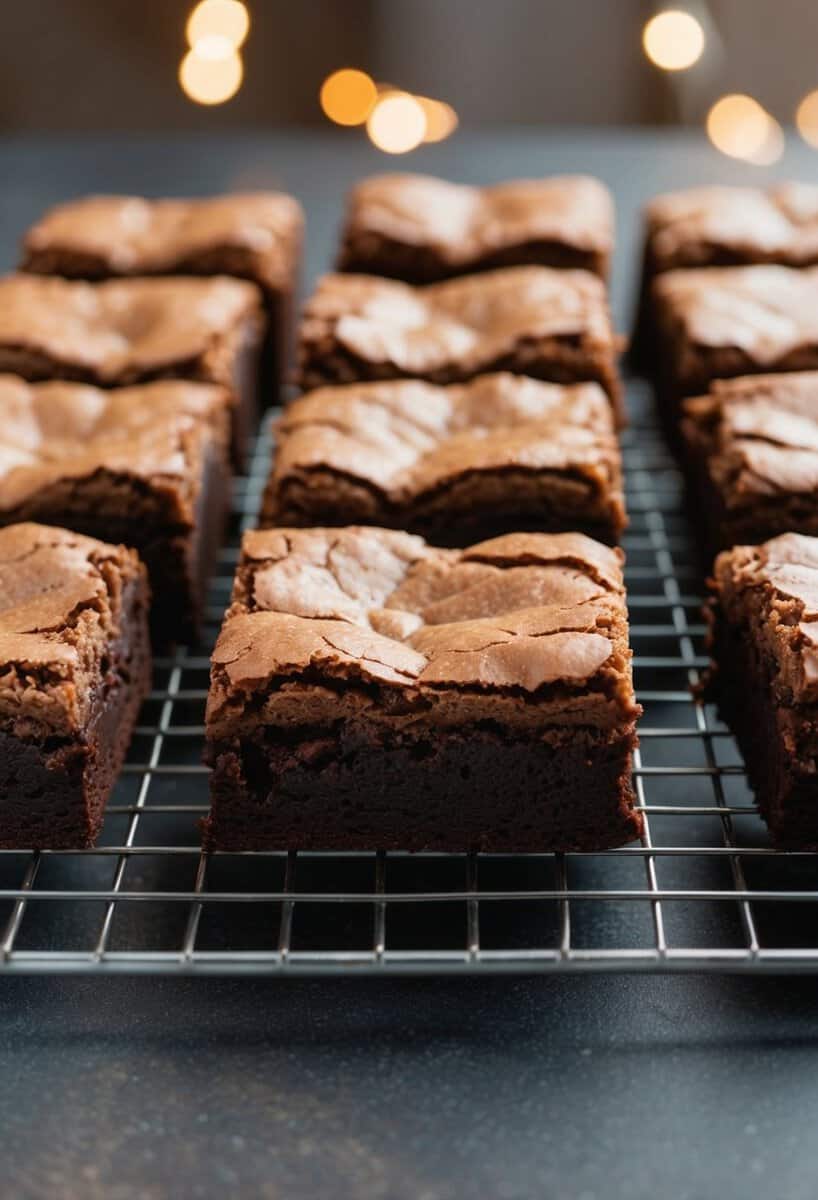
(576, 1088)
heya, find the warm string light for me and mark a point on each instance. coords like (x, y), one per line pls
(212, 70)
(348, 96)
(806, 118)
(441, 119)
(737, 125)
(218, 18)
(396, 121)
(740, 127)
(772, 147)
(673, 40)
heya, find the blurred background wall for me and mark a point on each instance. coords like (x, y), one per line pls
(90, 65)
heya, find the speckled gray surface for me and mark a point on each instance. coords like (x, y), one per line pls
(574, 1088)
(577, 1089)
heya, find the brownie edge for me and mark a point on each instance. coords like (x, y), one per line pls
(763, 620)
(751, 456)
(75, 665)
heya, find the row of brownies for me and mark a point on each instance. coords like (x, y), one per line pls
(136, 344)
(427, 645)
(728, 326)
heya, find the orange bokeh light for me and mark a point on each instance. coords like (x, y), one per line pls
(348, 96)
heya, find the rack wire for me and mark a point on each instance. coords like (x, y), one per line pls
(704, 891)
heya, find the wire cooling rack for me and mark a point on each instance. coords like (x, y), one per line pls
(704, 891)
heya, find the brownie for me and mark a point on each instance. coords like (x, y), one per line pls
(733, 226)
(751, 446)
(536, 321)
(75, 666)
(461, 463)
(255, 236)
(721, 227)
(720, 322)
(421, 229)
(369, 691)
(127, 331)
(763, 615)
(145, 465)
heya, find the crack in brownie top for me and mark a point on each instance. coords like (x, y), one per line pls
(467, 324)
(118, 328)
(60, 606)
(407, 438)
(760, 433)
(462, 223)
(528, 614)
(765, 311)
(129, 235)
(779, 582)
(691, 227)
(59, 431)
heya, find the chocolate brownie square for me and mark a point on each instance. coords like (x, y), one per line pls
(144, 465)
(75, 666)
(127, 331)
(252, 235)
(369, 691)
(717, 323)
(733, 226)
(421, 229)
(763, 615)
(720, 227)
(549, 324)
(459, 464)
(752, 451)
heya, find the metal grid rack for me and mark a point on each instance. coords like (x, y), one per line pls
(704, 891)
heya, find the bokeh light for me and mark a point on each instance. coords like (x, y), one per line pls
(210, 80)
(397, 123)
(739, 127)
(441, 119)
(673, 40)
(213, 47)
(772, 147)
(348, 96)
(227, 19)
(806, 118)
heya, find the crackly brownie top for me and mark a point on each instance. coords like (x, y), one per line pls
(60, 608)
(764, 311)
(701, 225)
(120, 328)
(129, 235)
(406, 438)
(369, 622)
(760, 433)
(470, 322)
(463, 224)
(55, 432)
(776, 584)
